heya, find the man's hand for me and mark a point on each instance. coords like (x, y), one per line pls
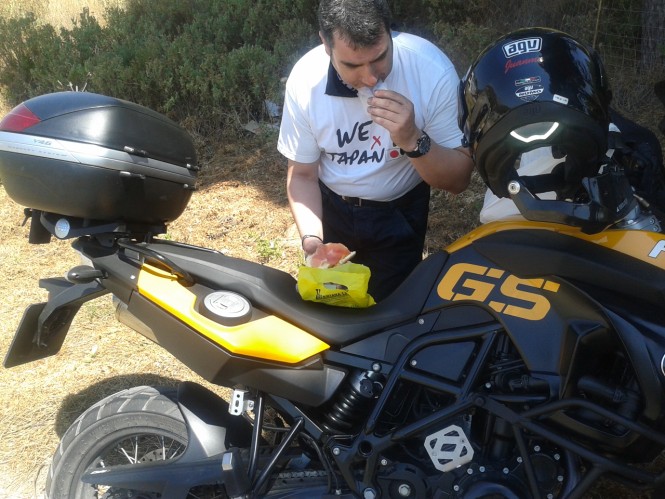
(442, 167)
(310, 244)
(394, 112)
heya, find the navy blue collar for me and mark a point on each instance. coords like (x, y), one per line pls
(336, 87)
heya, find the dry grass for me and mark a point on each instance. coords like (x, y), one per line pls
(240, 209)
(54, 12)
(101, 356)
(57, 12)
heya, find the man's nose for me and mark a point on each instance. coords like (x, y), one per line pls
(370, 76)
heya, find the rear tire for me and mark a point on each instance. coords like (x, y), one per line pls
(132, 426)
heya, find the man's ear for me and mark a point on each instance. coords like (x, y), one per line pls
(325, 44)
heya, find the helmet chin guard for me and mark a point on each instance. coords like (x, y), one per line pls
(608, 199)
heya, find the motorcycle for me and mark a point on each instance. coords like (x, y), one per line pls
(526, 359)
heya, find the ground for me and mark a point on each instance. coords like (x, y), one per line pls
(240, 208)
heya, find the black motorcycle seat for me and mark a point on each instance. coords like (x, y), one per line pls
(274, 291)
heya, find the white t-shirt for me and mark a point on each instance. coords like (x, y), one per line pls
(356, 156)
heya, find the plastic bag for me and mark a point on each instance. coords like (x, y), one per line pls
(341, 286)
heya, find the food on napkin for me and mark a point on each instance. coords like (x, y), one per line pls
(329, 255)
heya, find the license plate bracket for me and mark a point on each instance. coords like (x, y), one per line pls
(44, 326)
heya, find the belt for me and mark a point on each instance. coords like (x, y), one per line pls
(359, 202)
(365, 202)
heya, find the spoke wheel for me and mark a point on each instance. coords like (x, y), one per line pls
(131, 427)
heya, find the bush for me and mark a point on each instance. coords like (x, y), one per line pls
(214, 63)
(206, 62)
(28, 57)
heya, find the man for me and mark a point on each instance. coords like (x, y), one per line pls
(360, 170)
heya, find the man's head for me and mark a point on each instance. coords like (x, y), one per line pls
(356, 35)
(361, 23)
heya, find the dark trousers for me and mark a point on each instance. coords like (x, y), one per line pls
(387, 237)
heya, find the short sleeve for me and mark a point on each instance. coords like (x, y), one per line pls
(296, 138)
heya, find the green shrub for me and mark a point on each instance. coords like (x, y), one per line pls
(214, 63)
(28, 57)
(208, 62)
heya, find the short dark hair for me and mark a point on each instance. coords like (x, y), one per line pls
(362, 23)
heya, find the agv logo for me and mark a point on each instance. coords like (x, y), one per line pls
(503, 292)
(523, 46)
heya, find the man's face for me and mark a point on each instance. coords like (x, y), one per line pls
(361, 66)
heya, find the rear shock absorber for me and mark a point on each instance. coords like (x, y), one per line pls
(350, 406)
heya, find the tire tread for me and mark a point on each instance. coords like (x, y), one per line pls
(140, 399)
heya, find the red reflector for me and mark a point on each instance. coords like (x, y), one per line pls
(18, 119)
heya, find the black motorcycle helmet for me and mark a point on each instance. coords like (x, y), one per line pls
(532, 88)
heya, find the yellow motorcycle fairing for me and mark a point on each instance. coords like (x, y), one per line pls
(263, 336)
(643, 245)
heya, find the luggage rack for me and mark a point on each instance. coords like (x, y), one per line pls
(44, 224)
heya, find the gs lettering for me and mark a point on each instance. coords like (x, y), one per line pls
(504, 293)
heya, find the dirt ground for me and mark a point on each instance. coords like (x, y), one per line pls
(101, 356)
(240, 209)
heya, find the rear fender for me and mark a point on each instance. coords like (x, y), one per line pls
(211, 432)
(212, 429)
